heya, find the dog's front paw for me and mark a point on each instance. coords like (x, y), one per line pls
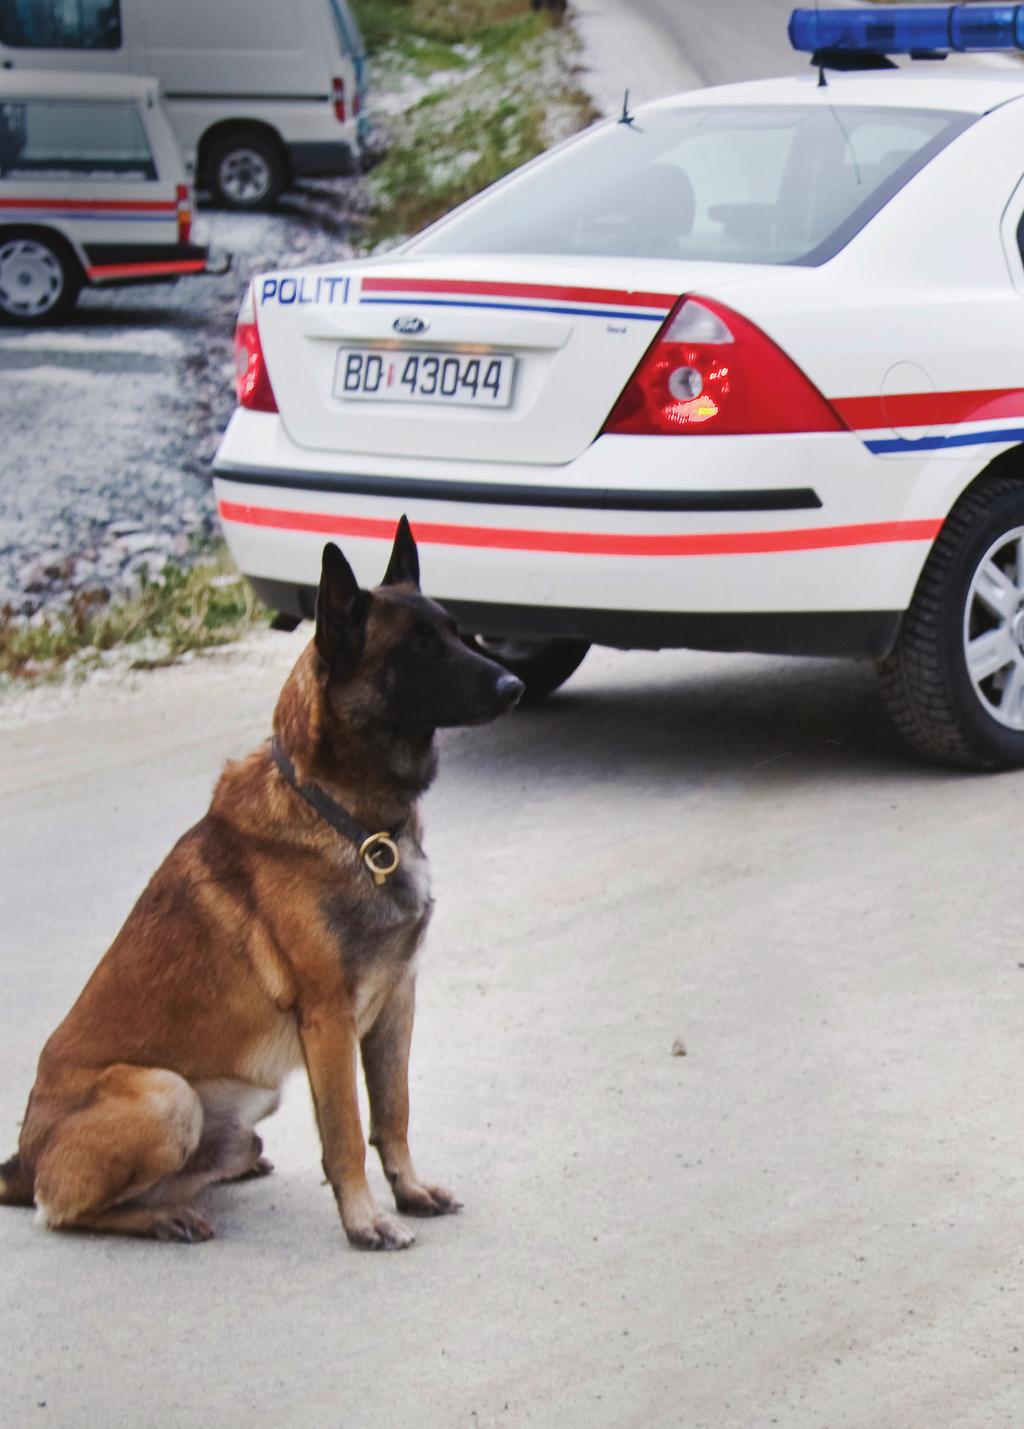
(416, 1198)
(380, 1233)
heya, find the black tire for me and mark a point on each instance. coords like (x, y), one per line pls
(40, 278)
(926, 683)
(245, 171)
(542, 665)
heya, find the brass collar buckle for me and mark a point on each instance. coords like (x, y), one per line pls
(380, 854)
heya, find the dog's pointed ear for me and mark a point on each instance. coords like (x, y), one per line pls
(404, 565)
(340, 611)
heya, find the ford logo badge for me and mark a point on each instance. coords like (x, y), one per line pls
(409, 325)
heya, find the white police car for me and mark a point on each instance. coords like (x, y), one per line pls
(92, 191)
(743, 370)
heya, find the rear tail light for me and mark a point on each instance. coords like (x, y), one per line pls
(338, 94)
(252, 382)
(184, 199)
(712, 372)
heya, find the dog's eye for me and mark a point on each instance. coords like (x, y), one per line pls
(425, 640)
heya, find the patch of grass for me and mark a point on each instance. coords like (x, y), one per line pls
(508, 96)
(447, 159)
(183, 608)
(450, 21)
(428, 57)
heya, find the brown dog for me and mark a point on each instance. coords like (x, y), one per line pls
(273, 934)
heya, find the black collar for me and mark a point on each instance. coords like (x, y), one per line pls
(378, 851)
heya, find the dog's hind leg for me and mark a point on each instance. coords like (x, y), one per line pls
(137, 1131)
(15, 1184)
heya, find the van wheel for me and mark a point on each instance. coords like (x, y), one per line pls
(954, 683)
(542, 665)
(39, 279)
(245, 171)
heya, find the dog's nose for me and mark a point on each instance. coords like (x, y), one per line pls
(509, 690)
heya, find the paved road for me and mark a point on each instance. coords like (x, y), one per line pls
(728, 39)
(657, 47)
(813, 1218)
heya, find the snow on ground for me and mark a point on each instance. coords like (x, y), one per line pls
(112, 419)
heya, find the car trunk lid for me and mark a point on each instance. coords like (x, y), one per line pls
(570, 332)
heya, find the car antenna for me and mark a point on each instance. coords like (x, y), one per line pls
(625, 117)
(822, 81)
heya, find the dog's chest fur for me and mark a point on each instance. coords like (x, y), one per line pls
(377, 930)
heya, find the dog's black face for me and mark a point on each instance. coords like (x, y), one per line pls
(395, 657)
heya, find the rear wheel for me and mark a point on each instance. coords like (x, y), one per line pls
(39, 279)
(245, 171)
(954, 683)
(542, 665)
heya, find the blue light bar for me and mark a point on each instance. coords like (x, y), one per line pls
(903, 31)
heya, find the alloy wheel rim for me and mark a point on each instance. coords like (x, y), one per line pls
(31, 278)
(993, 630)
(245, 176)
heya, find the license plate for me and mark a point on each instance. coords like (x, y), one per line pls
(407, 375)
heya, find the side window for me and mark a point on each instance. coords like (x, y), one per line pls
(61, 24)
(56, 138)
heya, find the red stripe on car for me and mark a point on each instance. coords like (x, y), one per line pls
(520, 290)
(584, 543)
(928, 409)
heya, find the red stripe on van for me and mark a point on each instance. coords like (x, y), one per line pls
(93, 205)
(106, 271)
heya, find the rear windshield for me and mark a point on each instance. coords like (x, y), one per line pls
(751, 184)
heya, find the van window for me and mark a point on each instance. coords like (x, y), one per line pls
(51, 138)
(61, 24)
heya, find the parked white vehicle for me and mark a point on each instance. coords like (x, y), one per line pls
(743, 372)
(259, 92)
(92, 191)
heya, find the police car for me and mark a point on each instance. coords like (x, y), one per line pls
(741, 370)
(92, 191)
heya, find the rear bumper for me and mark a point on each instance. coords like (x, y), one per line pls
(865, 633)
(143, 262)
(315, 158)
(805, 544)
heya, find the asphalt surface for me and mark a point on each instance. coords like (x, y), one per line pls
(658, 47)
(810, 1219)
(729, 39)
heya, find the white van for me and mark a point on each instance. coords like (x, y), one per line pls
(92, 190)
(259, 91)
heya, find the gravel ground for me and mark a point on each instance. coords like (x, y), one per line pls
(111, 420)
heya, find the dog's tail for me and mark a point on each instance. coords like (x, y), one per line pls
(16, 1184)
